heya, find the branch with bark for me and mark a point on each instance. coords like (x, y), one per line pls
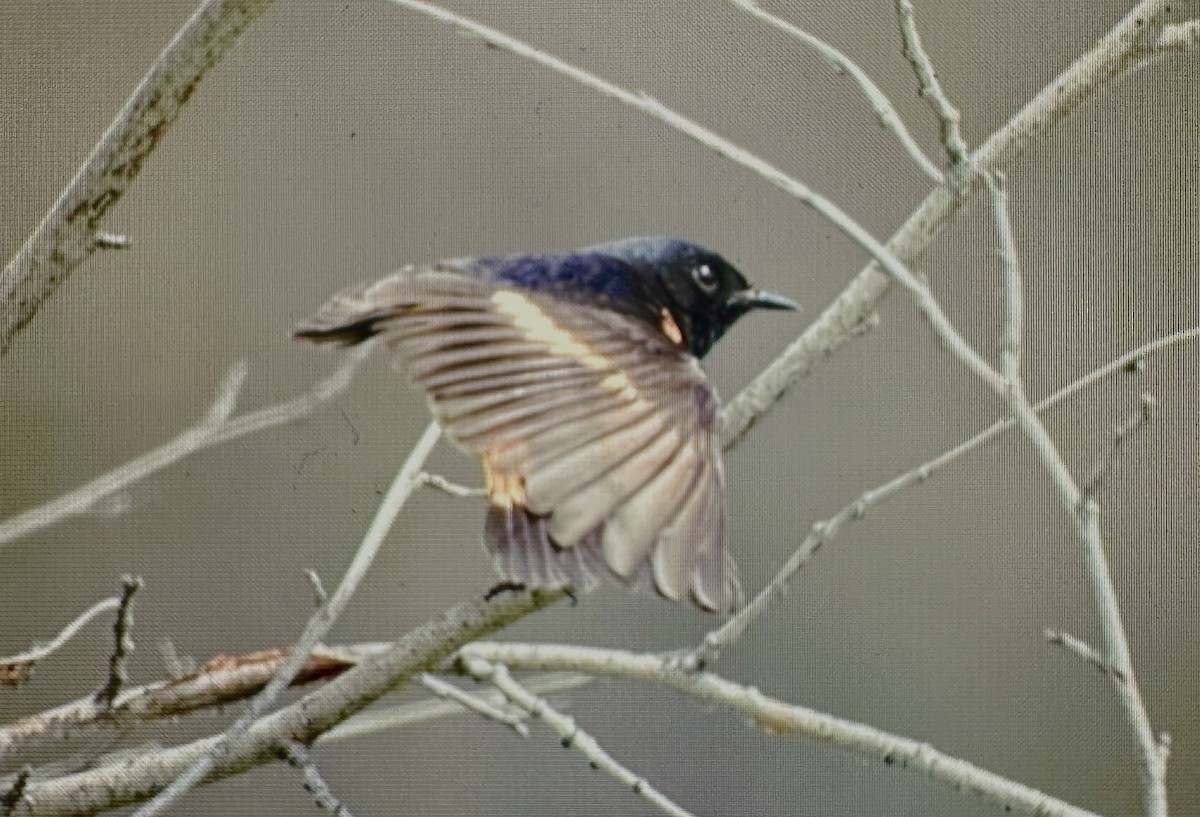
(71, 231)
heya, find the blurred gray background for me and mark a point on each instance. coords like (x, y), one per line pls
(340, 140)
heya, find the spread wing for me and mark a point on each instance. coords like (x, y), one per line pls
(598, 432)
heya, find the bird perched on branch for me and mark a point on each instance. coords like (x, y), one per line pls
(575, 377)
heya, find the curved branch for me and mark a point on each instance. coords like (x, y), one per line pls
(71, 232)
(15, 669)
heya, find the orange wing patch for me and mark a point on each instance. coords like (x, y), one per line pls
(670, 328)
(503, 467)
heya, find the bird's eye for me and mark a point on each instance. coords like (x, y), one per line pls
(705, 277)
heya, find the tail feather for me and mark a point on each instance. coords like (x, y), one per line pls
(524, 553)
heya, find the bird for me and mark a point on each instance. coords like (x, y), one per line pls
(575, 377)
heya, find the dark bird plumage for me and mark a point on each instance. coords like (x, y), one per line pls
(576, 378)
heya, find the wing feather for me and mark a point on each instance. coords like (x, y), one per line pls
(598, 433)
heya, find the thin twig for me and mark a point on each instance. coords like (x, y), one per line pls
(1080, 649)
(15, 669)
(568, 731)
(883, 108)
(314, 579)
(214, 429)
(383, 719)
(453, 488)
(71, 232)
(473, 703)
(318, 624)
(1014, 320)
(781, 718)
(822, 532)
(949, 117)
(228, 392)
(299, 757)
(122, 644)
(1123, 432)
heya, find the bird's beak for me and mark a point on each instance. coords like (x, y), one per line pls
(757, 299)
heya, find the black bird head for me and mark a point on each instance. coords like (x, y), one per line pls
(702, 293)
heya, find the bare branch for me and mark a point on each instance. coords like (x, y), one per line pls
(781, 718)
(1080, 648)
(226, 679)
(15, 669)
(225, 404)
(382, 719)
(1014, 322)
(568, 731)
(951, 120)
(401, 489)
(879, 102)
(122, 644)
(473, 703)
(452, 488)
(1139, 419)
(70, 232)
(299, 757)
(213, 430)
